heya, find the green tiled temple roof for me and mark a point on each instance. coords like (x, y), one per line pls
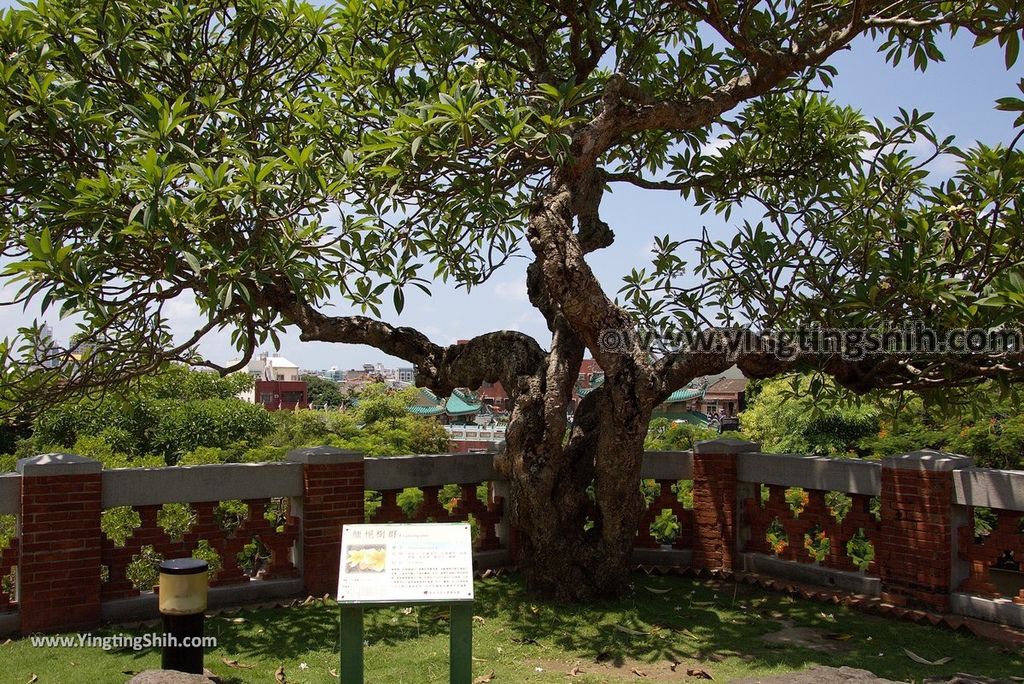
(594, 384)
(460, 405)
(685, 394)
(426, 410)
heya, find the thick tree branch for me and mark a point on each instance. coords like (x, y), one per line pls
(499, 356)
(645, 183)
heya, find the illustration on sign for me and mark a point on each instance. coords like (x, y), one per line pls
(414, 562)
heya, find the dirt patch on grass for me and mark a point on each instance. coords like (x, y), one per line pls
(624, 671)
(807, 637)
(821, 675)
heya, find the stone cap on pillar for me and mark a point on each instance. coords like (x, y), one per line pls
(57, 464)
(324, 455)
(927, 459)
(725, 446)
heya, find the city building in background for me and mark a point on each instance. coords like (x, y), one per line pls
(278, 385)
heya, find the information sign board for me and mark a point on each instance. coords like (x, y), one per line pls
(406, 563)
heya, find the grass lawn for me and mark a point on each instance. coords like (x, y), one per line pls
(701, 624)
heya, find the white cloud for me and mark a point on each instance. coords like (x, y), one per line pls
(511, 290)
(714, 147)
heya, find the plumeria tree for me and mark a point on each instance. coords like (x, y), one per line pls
(267, 158)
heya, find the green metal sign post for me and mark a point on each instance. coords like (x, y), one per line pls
(460, 642)
(401, 565)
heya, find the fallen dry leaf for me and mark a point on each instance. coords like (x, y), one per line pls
(574, 672)
(279, 675)
(309, 599)
(698, 673)
(918, 659)
(483, 679)
(33, 679)
(235, 664)
(7, 642)
(334, 673)
(639, 673)
(477, 618)
(479, 660)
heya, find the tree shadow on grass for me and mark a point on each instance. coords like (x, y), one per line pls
(684, 620)
(661, 619)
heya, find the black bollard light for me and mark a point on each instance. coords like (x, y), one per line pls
(183, 587)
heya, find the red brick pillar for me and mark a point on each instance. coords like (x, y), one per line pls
(915, 545)
(507, 533)
(332, 497)
(59, 552)
(716, 503)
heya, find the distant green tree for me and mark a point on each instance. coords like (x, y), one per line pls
(786, 418)
(165, 415)
(992, 443)
(322, 392)
(664, 435)
(185, 384)
(379, 424)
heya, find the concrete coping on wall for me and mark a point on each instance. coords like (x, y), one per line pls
(807, 573)
(145, 605)
(58, 464)
(1002, 610)
(191, 484)
(989, 488)
(848, 475)
(928, 460)
(10, 494)
(429, 470)
(725, 445)
(667, 465)
(323, 455)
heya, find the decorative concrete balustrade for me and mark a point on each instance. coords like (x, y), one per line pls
(901, 529)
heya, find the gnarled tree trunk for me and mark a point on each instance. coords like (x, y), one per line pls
(575, 488)
(575, 497)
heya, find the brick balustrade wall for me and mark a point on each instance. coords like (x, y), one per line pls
(333, 496)
(59, 544)
(915, 543)
(59, 563)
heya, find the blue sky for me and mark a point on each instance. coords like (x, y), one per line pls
(960, 91)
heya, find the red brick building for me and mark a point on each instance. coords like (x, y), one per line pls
(494, 395)
(726, 397)
(276, 395)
